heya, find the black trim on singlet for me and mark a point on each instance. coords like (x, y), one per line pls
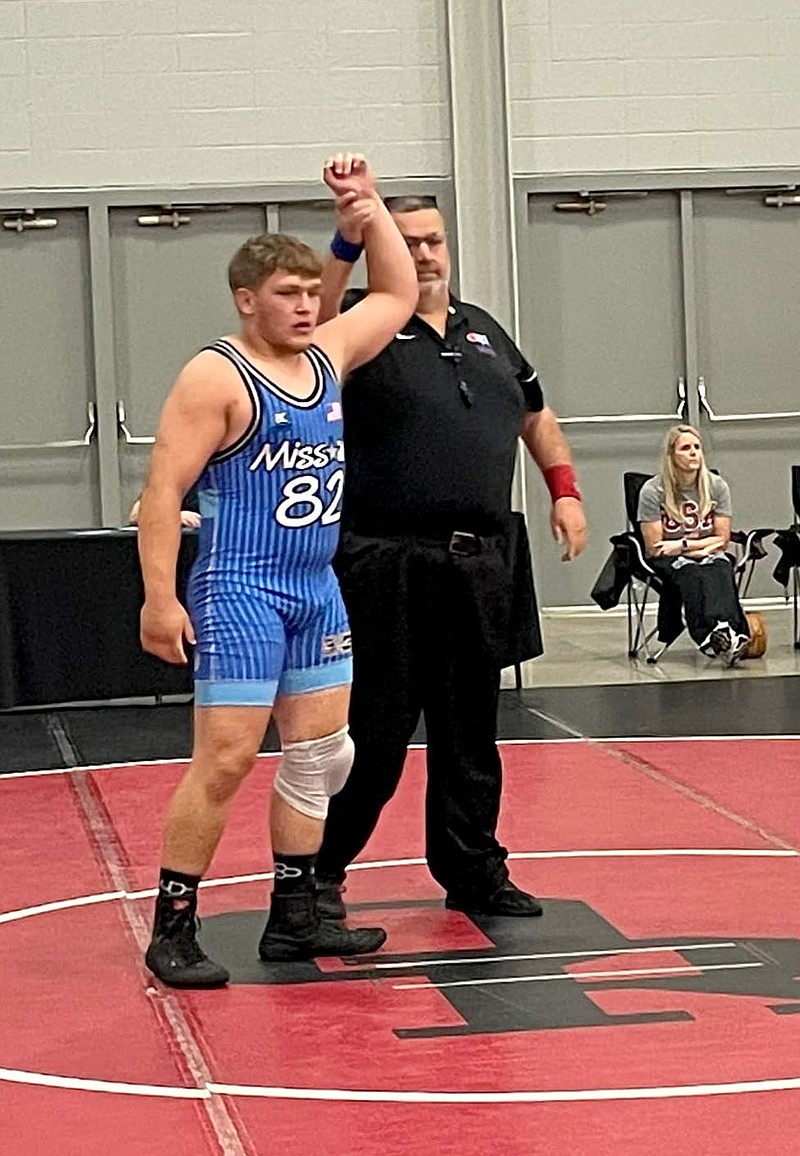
(226, 351)
(273, 387)
(326, 361)
(247, 371)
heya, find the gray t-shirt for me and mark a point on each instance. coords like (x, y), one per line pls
(651, 509)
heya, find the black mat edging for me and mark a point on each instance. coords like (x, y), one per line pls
(753, 706)
(122, 734)
(27, 744)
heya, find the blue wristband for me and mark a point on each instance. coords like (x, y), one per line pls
(345, 250)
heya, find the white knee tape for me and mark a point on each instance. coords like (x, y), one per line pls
(340, 764)
(312, 771)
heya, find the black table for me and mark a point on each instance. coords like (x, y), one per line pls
(69, 619)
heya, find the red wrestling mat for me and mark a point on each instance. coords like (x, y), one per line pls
(653, 1009)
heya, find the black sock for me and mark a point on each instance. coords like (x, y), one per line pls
(293, 873)
(176, 890)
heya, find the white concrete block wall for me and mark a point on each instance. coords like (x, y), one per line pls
(144, 92)
(603, 85)
(150, 92)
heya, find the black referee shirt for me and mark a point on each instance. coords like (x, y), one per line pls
(431, 427)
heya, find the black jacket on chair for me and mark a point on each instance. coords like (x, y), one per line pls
(620, 568)
(788, 542)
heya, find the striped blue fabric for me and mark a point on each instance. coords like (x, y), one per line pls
(262, 594)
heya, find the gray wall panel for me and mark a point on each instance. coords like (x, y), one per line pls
(747, 260)
(46, 379)
(601, 316)
(171, 297)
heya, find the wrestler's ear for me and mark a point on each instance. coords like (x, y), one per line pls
(244, 299)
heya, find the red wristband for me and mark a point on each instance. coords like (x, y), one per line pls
(562, 482)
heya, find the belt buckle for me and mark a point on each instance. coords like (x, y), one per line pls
(464, 545)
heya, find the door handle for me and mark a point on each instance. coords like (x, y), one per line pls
(124, 432)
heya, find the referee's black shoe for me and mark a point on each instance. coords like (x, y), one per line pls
(176, 958)
(507, 899)
(296, 930)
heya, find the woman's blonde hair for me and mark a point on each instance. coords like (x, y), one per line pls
(669, 475)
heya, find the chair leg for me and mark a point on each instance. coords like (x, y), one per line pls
(745, 578)
(641, 638)
(653, 656)
(635, 635)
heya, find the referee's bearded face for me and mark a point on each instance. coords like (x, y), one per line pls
(424, 232)
(283, 310)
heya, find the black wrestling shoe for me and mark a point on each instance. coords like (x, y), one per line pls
(295, 930)
(176, 958)
(506, 900)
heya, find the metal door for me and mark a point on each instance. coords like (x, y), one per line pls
(747, 271)
(314, 223)
(602, 318)
(48, 464)
(170, 298)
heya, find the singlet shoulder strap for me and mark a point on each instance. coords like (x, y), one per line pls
(226, 350)
(255, 377)
(321, 358)
(232, 354)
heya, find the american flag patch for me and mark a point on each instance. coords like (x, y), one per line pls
(482, 341)
(334, 412)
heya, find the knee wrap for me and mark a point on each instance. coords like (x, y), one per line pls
(311, 772)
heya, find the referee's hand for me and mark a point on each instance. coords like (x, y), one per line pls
(568, 527)
(163, 628)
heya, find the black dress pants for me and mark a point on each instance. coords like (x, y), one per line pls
(429, 630)
(708, 593)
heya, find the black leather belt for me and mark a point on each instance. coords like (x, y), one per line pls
(461, 543)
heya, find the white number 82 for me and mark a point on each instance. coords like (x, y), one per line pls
(304, 492)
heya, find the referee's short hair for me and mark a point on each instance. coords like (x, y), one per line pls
(259, 257)
(409, 204)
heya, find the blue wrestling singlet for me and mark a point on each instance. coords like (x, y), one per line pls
(262, 595)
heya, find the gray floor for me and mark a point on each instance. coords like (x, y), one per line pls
(589, 648)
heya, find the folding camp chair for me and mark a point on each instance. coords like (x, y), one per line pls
(644, 582)
(628, 569)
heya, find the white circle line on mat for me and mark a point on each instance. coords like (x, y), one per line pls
(596, 740)
(558, 1096)
(390, 1096)
(377, 864)
(74, 1083)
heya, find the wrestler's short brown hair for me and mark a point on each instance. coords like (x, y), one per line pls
(259, 257)
(409, 204)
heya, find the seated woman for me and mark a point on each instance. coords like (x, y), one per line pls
(685, 518)
(190, 514)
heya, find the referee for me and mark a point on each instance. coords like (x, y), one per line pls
(434, 568)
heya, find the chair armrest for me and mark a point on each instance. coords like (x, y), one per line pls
(751, 543)
(639, 553)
